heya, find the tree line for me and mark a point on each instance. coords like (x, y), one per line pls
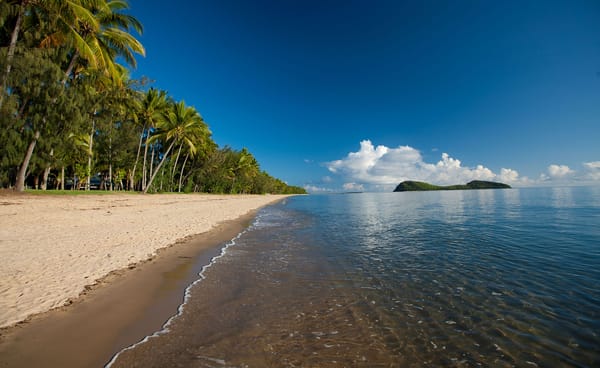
(72, 118)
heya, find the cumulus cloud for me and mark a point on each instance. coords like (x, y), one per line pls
(508, 175)
(565, 175)
(384, 166)
(316, 189)
(354, 187)
(592, 171)
(559, 171)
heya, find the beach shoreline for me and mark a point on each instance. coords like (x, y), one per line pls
(152, 286)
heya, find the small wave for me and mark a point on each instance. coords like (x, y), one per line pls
(165, 328)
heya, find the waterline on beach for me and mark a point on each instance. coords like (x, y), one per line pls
(187, 294)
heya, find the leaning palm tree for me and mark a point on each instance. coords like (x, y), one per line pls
(150, 112)
(181, 125)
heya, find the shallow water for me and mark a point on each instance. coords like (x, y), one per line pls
(459, 278)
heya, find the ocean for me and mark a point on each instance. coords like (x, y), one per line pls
(492, 278)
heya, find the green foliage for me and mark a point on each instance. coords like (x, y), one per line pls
(415, 186)
(65, 95)
(480, 184)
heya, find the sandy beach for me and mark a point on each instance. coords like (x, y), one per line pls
(54, 247)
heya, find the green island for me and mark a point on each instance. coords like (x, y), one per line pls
(72, 118)
(419, 186)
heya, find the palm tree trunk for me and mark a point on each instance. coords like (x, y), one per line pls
(62, 178)
(90, 155)
(20, 184)
(181, 174)
(159, 166)
(23, 106)
(175, 167)
(151, 164)
(137, 158)
(11, 49)
(144, 170)
(70, 67)
(110, 185)
(44, 184)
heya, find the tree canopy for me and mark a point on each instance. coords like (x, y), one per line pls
(72, 118)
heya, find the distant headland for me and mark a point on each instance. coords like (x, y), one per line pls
(419, 186)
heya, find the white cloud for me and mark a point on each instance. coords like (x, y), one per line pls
(382, 168)
(559, 171)
(358, 162)
(354, 187)
(563, 174)
(387, 167)
(592, 170)
(508, 175)
(326, 179)
(316, 189)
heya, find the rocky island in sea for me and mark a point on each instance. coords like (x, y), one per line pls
(419, 186)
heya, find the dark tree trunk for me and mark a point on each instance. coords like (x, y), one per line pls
(70, 67)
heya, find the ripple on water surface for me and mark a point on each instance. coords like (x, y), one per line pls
(477, 278)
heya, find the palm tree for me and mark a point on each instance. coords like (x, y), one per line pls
(107, 37)
(150, 113)
(67, 17)
(115, 39)
(181, 125)
(118, 107)
(243, 167)
(85, 142)
(97, 32)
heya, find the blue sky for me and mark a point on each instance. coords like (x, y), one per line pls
(359, 95)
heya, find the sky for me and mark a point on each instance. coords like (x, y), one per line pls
(361, 95)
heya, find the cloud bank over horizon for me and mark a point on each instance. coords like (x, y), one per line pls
(382, 168)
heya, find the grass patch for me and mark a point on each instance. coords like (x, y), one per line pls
(53, 192)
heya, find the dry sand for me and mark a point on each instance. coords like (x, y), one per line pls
(52, 247)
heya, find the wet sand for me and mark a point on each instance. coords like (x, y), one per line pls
(120, 310)
(273, 301)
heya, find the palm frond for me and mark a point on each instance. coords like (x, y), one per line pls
(85, 51)
(123, 44)
(81, 13)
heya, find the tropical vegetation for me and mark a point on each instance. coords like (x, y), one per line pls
(72, 118)
(419, 186)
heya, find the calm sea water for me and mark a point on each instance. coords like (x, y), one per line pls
(454, 278)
